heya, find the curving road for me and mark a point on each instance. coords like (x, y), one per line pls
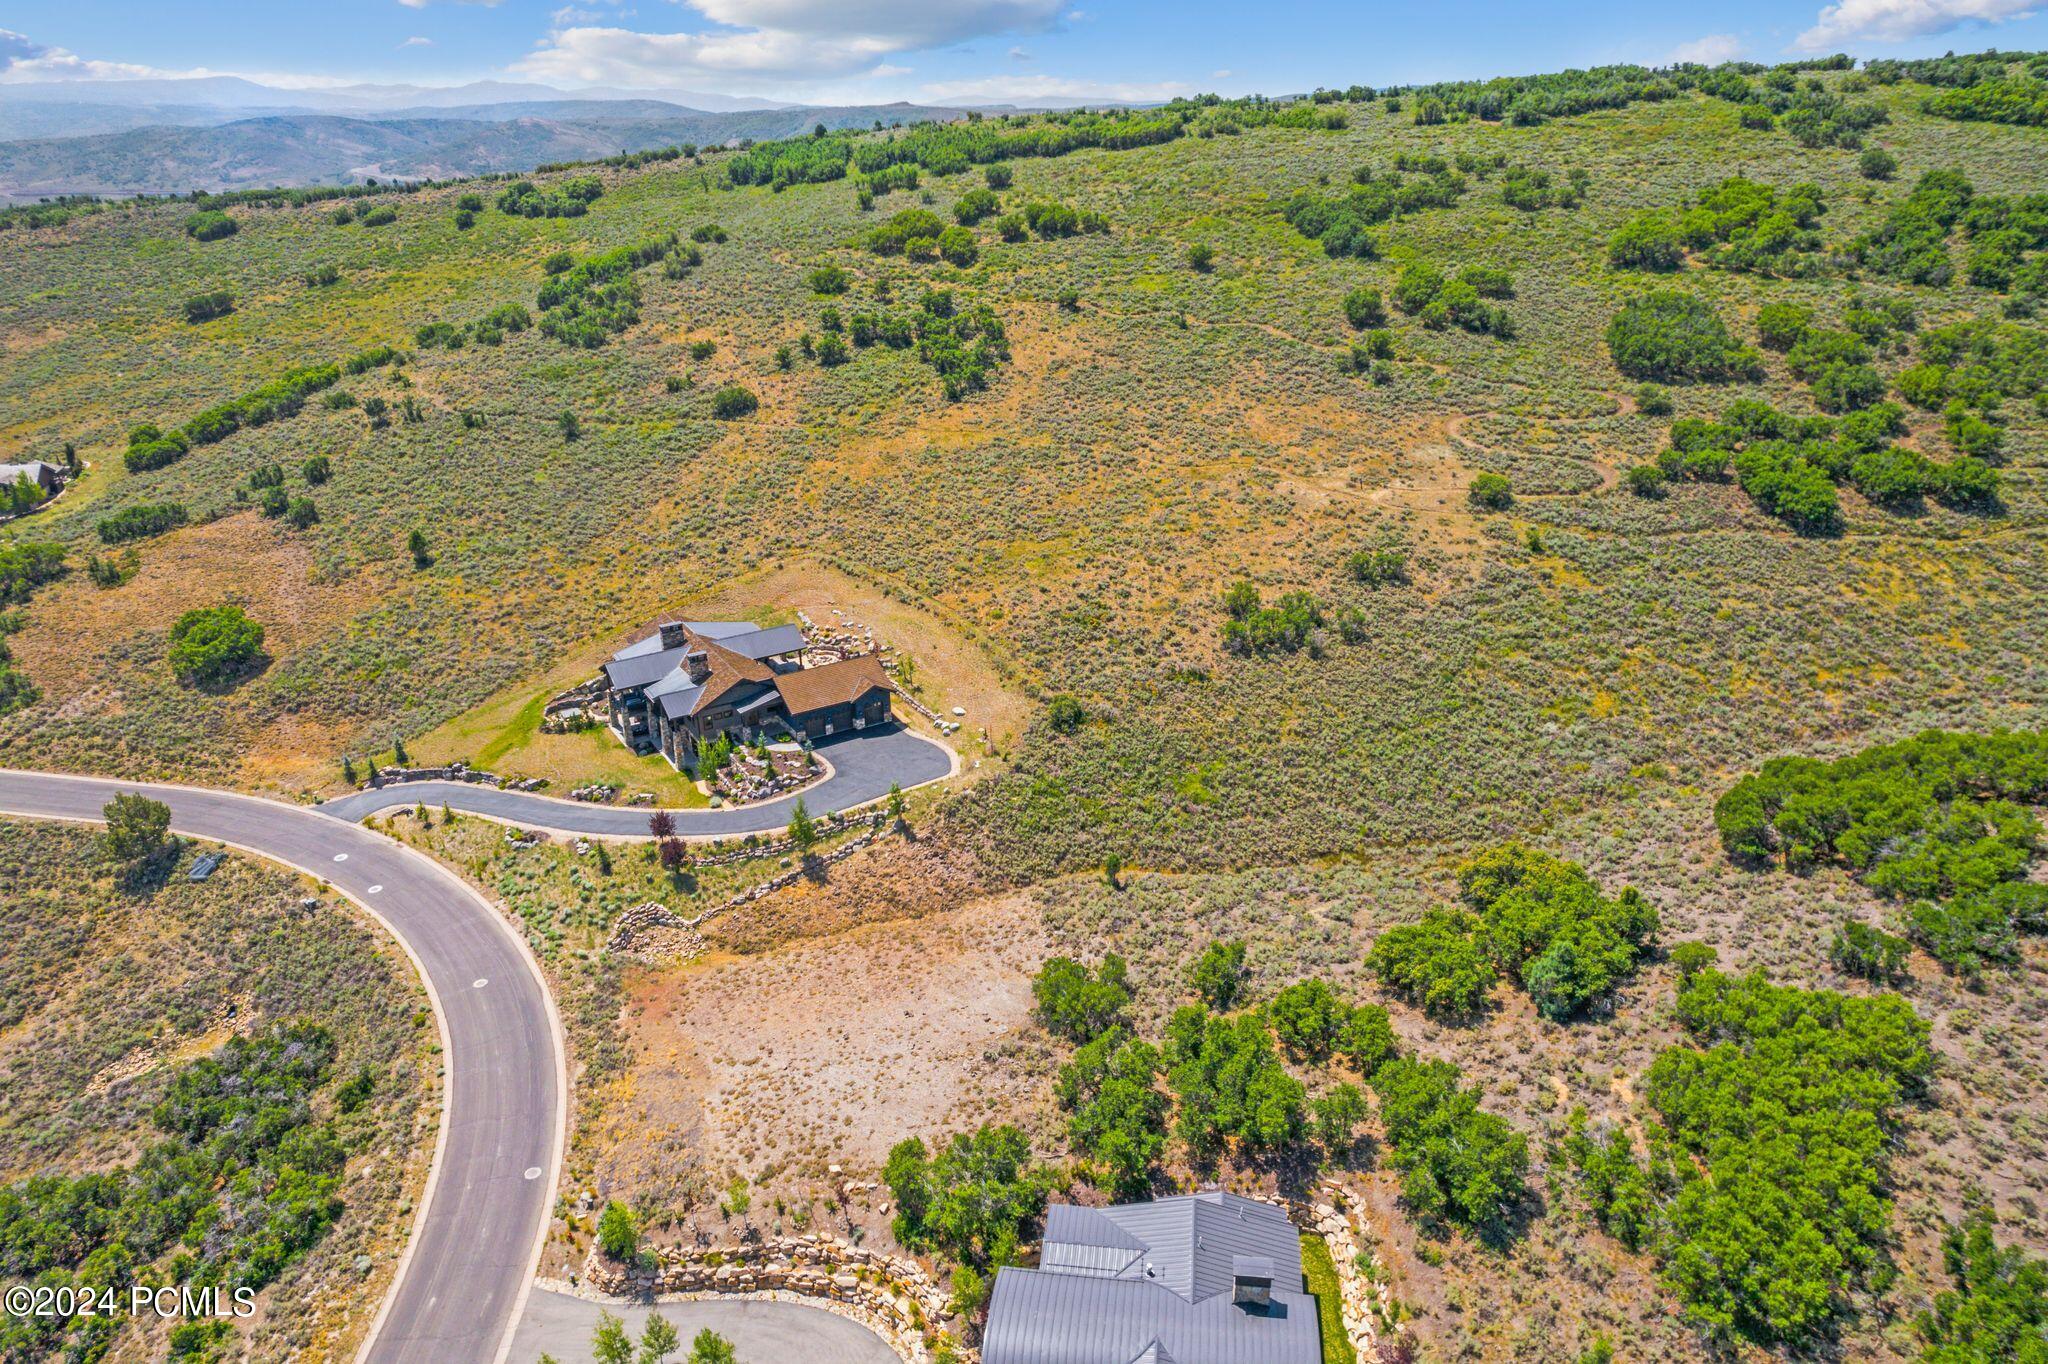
(477, 1235)
(863, 768)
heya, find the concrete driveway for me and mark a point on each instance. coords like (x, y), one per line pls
(762, 1331)
(863, 768)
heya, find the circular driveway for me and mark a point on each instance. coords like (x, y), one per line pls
(864, 766)
(764, 1330)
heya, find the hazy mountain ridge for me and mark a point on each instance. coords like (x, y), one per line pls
(303, 149)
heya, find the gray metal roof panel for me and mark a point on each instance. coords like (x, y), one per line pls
(1041, 1317)
(641, 669)
(720, 630)
(760, 644)
(1072, 1224)
(676, 704)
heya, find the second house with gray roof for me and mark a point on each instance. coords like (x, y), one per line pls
(1208, 1278)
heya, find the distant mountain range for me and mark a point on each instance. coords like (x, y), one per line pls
(234, 92)
(214, 133)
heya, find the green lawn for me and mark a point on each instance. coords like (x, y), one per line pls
(1321, 1272)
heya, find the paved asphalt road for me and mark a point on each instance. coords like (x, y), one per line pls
(478, 1233)
(863, 767)
(762, 1332)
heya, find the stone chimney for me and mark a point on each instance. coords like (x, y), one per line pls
(673, 635)
(698, 664)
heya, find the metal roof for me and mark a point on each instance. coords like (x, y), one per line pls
(677, 702)
(760, 644)
(1172, 1295)
(627, 671)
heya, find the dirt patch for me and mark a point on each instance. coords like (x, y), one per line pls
(895, 881)
(828, 1051)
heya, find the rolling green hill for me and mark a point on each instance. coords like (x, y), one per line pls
(1371, 479)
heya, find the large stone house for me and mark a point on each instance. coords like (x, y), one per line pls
(692, 680)
(1206, 1278)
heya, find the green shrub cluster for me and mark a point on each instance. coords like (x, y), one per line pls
(210, 225)
(1073, 1003)
(1674, 337)
(598, 297)
(150, 447)
(1531, 189)
(1977, 365)
(2022, 100)
(140, 522)
(893, 237)
(1228, 1084)
(488, 330)
(975, 1199)
(1438, 302)
(1529, 100)
(24, 566)
(1288, 626)
(1051, 220)
(246, 1178)
(1117, 1112)
(1911, 244)
(214, 644)
(1939, 821)
(903, 175)
(1735, 225)
(964, 345)
(1763, 1196)
(1314, 1024)
(205, 307)
(1538, 919)
(1822, 118)
(1456, 1160)
(1344, 224)
(1790, 464)
(949, 148)
(569, 198)
(1998, 1309)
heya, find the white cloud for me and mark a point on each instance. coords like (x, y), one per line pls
(417, 41)
(1711, 50)
(904, 24)
(1030, 89)
(618, 56)
(22, 59)
(1893, 21)
(762, 41)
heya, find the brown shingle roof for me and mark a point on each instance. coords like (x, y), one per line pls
(728, 670)
(833, 684)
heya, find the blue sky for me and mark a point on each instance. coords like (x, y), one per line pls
(844, 51)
